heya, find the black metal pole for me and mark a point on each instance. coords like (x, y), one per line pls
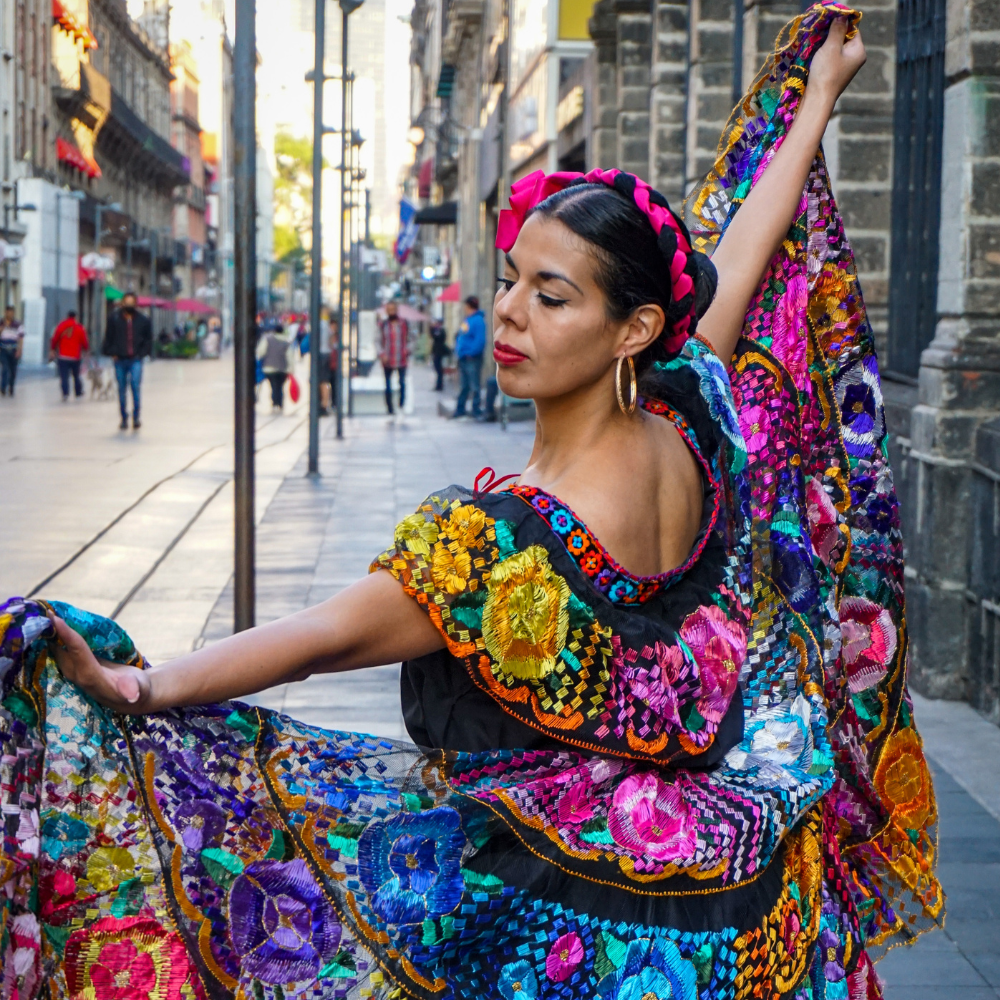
(316, 285)
(738, 8)
(245, 267)
(344, 147)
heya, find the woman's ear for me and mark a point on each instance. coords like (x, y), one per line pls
(642, 328)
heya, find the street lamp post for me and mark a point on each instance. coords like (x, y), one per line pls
(347, 8)
(316, 283)
(244, 260)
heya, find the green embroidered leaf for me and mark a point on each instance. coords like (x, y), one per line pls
(703, 960)
(615, 949)
(580, 615)
(475, 882)
(505, 539)
(413, 803)
(469, 617)
(694, 720)
(19, 705)
(129, 898)
(430, 933)
(57, 937)
(276, 852)
(245, 723)
(341, 966)
(221, 865)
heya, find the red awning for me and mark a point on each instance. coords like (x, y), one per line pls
(69, 152)
(145, 301)
(193, 306)
(453, 293)
(424, 178)
(71, 24)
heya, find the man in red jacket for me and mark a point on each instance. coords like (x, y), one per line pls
(69, 341)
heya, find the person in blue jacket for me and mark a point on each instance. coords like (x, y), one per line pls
(469, 347)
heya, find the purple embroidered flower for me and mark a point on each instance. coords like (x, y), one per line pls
(564, 956)
(858, 408)
(832, 947)
(882, 515)
(755, 422)
(542, 503)
(200, 823)
(410, 865)
(281, 925)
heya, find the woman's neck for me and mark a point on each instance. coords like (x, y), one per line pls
(572, 430)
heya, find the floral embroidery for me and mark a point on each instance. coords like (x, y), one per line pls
(756, 425)
(564, 956)
(417, 534)
(518, 982)
(410, 865)
(128, 959)
(525, 618)
(719, 645)
(649, 816)
(868, 637)
(903, 781)
(451, 569)
(282, 925)
(464, 527)
(653, 970)
(201, 823)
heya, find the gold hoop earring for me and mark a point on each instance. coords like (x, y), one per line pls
(633, 387)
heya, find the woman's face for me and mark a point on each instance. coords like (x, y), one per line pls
(551, 332)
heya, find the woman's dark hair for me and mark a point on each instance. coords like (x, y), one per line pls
(631, 269)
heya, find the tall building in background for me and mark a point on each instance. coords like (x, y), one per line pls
(189, 200)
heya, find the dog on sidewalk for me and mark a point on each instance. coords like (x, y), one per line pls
(101, 381)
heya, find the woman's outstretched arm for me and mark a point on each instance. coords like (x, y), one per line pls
(370, 623)
(757, 229)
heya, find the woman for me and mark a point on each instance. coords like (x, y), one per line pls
(274, 351)
(685, 770)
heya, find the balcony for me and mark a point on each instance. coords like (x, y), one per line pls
(127, 139)
(463, 18)
(90, 102)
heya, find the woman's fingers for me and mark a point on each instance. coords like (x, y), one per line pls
(122, 688)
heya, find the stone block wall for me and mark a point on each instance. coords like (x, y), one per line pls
(668, 99)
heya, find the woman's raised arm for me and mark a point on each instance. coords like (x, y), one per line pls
(756, 232)
(370, 623)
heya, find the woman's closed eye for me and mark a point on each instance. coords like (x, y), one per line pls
(507, 283)
(549, 302)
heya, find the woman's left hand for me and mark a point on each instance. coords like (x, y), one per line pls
(836, 63)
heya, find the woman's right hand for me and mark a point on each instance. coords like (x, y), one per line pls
(121, 688)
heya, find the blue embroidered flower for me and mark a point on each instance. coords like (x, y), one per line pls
(561, 522)
(411, 865)
(518, 982)
(621, 590)
(64, 835)
(653, 970)
(715, 390)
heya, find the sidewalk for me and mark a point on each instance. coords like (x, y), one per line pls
(318, 536)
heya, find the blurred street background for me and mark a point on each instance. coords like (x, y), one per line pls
(120, 166)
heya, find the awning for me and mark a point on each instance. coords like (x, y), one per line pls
(146, 301)
(453, 293)
(193, 306)
(445, 214)
(446, 81)
(70, 23)
(410, 313)
(113, 294)
(68, 152)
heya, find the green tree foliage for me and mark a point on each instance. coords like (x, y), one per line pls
(292, 198)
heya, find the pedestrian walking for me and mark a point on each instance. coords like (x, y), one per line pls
(469, 347)
(331, 367)
(394, 352)
(128, 338)
(439, 351)
(11, 348)
(69, 341)
(688, 769)
(274, 351)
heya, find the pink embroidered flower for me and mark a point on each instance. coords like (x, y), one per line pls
(720, 646)
(822, 516)
(868, 641)
(789, 330)
(576, 804)
(755, 423)
(564, 956)
(650, 817)
(654, 684)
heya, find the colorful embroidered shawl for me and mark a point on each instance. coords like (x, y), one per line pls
(643, 847)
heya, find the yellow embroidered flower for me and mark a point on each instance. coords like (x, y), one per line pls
(525, 618)
(416, 534)
(450, 570)
(903, 782)
(465, 526)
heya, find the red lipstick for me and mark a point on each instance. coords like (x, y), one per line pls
(504, 354)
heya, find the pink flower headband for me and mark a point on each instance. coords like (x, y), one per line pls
(671, 235)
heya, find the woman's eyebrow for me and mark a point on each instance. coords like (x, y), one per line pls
(556, 276)
(510, 260)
